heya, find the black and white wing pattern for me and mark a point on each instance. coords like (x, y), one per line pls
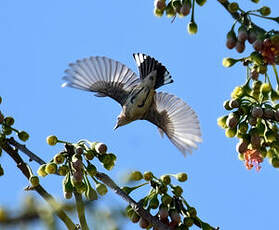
(177, 120)
(147, 64)
(102, 75)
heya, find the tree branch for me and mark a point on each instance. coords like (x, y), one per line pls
(13, 153)
(110, 183)
(25, 150)
(24, 218)
(239, 17)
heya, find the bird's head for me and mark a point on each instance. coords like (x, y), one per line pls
(121, 120)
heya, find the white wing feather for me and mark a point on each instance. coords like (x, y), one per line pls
(177, 120)
(102, 75)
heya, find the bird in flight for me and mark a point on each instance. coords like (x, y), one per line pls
(138, 96)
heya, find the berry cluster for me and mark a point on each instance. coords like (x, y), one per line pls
(182, 8)
(169, 209)
(253, 119)
(69, 163)
(7, 129)
(254, 110)
(266, 45)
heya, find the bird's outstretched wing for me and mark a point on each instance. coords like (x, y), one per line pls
(178, 121)
(102, 75)
(147, 64)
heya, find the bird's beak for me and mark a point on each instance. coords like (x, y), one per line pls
(116, 126)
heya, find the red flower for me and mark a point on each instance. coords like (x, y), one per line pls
(253, 158)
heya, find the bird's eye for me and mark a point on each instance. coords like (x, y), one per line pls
(151, 78)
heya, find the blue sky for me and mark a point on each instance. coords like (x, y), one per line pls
(38, 40)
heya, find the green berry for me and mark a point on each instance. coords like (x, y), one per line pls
(51, 168)
(170, 11)
(243, 127)
(233, 7)
(89, 155)
(241, 156)
(177, 5)
(230, 132)
(201, 2)
(188, 221)
(101, 189)
(265, 11)
(226, 105)
(136, 176)
(166, 179)
(63, 170)
(91, 194)
(34, 181)
(92, 170)
(52, 140)
(192, 28)
(42, 170)
(181, 177)
(154, 202)
(59, 158)
(22, 135)
(192, 212)
(228, 62)
(177, 190)
(221, 121)
(7, 130)
(238, 92)
(67, 184)
(158, 13)
(166, 199)
(9, 121)
(148, 176)
(109, 166)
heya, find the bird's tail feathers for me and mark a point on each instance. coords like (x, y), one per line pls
(147, 64)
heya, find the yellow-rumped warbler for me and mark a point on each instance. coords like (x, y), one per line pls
(137, 96)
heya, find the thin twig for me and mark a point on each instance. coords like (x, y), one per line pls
(80, 211)
(25, 150)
